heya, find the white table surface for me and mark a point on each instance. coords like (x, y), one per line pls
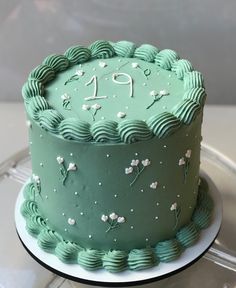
(22, 271)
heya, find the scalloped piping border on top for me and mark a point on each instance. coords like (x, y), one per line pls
(117, 260)
(126, 131)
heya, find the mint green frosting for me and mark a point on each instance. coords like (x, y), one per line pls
(168, 250)
(117, 260)
(49, 120)
(140, 259)
(150, 59)
(67, 251)
(90, 259)
(29, 192)
(43, 73)
(48, 240)
(57, 62)
(124, 48)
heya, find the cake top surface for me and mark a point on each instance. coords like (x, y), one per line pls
(114, 92)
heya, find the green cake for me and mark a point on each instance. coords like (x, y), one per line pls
(115, 132)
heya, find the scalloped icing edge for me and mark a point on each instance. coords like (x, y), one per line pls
(118, 260)
(167, 59)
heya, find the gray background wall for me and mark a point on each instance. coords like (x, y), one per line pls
(202, 31)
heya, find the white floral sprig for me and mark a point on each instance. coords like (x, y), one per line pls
(113, 220)
(76, 76)
(176, 209)
(146, 72)
(37, 184)
(137, 167)
(157, 96)
(185, 162)
(66, 101)
(63, 170)
(95, 107)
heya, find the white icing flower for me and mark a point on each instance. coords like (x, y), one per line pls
(60, 159)
(113, 216)
(102, 64)
(128, 170)
(135, 65)
(71, 221)
(134, 162)
(121, 114)
(65, 96)
(96, 106)
(173, 206)
(121, 219)
(85, 107)
(188, 153)
(181, 161)
(154, 185)
(71, 167)
(36, 178)
(146, 162)
(153, 93)
(163, 93)
(104, 218)
(79, 72)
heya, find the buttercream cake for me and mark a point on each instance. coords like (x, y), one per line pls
(115, 133)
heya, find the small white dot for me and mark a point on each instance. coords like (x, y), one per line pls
(106, 78)
(157, 203)
(108, 155)
(126, 107)
(164, 146)
(178, 195)
(54, 190)
(65, 230)
(46, 219)
(90, 236)
(76, 193)
(131, 227)
(114, 96)
(56, 88)
(102, 117)
(147, 239)
(144, 84)
(94, 69)
(100, 183)
(161, 162)
(187, 135)
(115, 195)
(168, 83)
(63, 214)
(41, 136)
(81, 213)
(114, 240)
(71, 154)
(164, 107)
(156, 217)
(31, 142)
(75, 89)
(169, 75)
(41, 164)
(95, 202)
(164, 187)
(141, 190)
(117, 68)
(131, 210)
(119, 60)
(46, 196)
(136, 154)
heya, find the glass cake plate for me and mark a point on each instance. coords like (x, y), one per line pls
(217, 268)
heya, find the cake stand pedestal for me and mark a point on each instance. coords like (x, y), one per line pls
(127, 278)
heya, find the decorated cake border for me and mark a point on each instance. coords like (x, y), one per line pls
(126, 131)
(117, 260)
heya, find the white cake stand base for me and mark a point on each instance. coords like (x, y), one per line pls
(127, 278)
